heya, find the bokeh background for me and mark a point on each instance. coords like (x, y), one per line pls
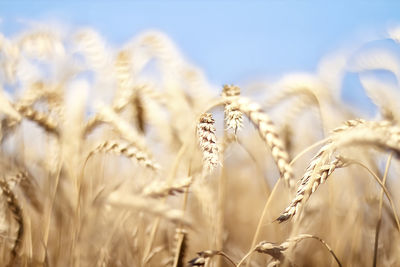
(232, 41)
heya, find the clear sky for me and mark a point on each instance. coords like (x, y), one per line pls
(231, 41)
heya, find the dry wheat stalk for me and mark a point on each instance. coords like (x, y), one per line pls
(180, 247)
(104, 258)
(353, 132)
(208, 141)
(16, 210)
(128, 150)
(269, 134)
(233, 117)
(162, 189)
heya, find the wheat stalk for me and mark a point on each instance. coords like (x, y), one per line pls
(180, 247)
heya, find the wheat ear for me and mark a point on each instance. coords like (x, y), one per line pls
(40, 118)
(208, 141)
(162, 189)
(128, 150)
(269, 133)
(233, 116)
(16, 210)
(276, 250)
(381, 134)
(28, 187)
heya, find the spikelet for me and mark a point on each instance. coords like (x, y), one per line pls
(208, 141)
(139, 112)
(233, 116)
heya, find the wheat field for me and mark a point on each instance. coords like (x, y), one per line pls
(129, 156)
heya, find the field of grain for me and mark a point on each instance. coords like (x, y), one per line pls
(128, 156)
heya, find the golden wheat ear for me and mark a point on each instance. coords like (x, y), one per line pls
(266, 128)
(16, 210)
(381, 134)
(208, 141)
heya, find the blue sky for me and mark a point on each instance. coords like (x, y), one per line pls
(231, 41)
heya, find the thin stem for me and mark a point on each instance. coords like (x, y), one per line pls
(245, 257)
(378, 224)
(383, 188)
(304, 236)
(304, 151)
(264, 212)
(227, 257)
(221, 201)
(170, 179)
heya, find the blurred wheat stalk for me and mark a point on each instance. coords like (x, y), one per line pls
(129, 157)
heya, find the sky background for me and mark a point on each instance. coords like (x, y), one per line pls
(232, 41)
